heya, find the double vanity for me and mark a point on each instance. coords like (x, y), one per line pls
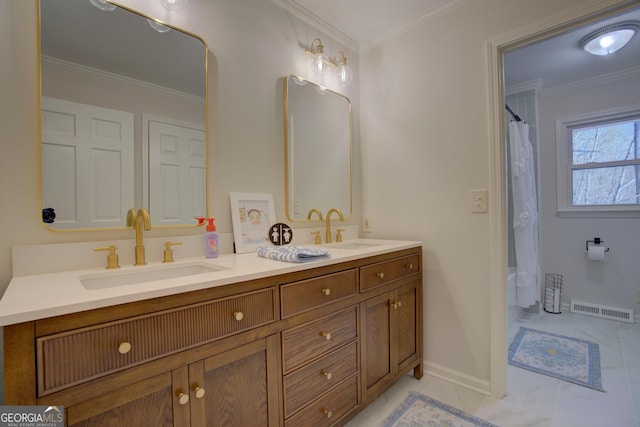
(237, 340)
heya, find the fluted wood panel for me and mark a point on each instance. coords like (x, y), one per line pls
(330, 408)
(308, 294)
(72, 357)
(313, 380)
(308, 341)
(374, 275)
(377, 340)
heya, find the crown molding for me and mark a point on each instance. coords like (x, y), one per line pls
(628, 73)
(320, 24)
(535, 84)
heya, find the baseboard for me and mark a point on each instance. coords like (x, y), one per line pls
(457, 378)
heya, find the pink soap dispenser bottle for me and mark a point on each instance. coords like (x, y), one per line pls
(210, 238)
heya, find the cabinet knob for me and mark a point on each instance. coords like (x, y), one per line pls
(238, 315)
(199, 391)
(124, 347)
(183, 398)
(380, 275)
(409, 266)
(397, 304)
(328, 375)
(326, 336)
(326, 291)
(328, 413)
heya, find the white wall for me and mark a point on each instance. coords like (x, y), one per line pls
(613, 282)
(425, 138)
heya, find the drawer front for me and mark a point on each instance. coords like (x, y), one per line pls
(330, 408)
(374, 275)
(77, 356)
(308, 294)
(311, 340)
(310, 382)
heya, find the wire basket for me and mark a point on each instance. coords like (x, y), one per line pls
(552, 293)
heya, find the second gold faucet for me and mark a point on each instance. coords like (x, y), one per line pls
(328, 231)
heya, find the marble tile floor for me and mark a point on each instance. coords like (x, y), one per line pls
(535, 400)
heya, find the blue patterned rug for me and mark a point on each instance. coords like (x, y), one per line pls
(569, 359)
(418, 410)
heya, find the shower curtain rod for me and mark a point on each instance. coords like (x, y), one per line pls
(514, 115)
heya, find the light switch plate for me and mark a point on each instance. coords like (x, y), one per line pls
(479, 201)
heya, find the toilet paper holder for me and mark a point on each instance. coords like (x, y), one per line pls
(595, 241)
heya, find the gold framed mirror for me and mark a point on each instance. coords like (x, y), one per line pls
(318, 141)
(123, 117)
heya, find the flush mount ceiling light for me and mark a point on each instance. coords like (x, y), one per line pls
(609, 39)
(321, 62)
(175, 5)
(103, 5)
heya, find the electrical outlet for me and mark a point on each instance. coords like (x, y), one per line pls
(367, 225)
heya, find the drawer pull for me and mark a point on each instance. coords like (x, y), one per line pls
(380, 275)
(328, 375)
(124, 347)
(199, 391)
(397, 304)
(328, 413)
(326, 291)
(238, 315)
(183, 398)
(409, 266)
(326, 336)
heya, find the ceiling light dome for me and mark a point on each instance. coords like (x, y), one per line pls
(609, 39)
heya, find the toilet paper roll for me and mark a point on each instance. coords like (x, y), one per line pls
(596, 253)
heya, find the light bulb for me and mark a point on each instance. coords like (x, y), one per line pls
(175, 5)
(320, 63)
(345, 74)
(609, 39)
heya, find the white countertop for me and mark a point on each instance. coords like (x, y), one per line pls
(38, 296)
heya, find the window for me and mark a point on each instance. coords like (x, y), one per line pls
(599, 164)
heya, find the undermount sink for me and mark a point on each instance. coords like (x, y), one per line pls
(353, 245)
(113, 279)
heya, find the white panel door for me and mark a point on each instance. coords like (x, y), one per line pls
(177, 171)
(87, 164)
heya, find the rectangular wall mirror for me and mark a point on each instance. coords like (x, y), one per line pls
(318, 134)
(123, 117)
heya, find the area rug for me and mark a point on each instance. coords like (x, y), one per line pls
(418, 410)
(569, 359)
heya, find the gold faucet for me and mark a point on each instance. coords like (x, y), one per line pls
(142, 219)
(312, 211)
(332, 210)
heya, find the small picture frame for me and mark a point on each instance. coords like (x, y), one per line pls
(252, 214)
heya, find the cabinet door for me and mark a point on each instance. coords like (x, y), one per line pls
(146, 403)
(405, 318)
(240, 386)
(376, 345)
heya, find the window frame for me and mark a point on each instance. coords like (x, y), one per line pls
(564, 163)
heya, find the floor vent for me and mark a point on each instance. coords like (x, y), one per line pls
(603, 311)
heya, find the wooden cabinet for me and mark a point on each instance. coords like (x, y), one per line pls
(392, 335)
(310, 347)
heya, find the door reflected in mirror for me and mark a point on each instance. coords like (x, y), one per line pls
(318, 133)
(123, 118)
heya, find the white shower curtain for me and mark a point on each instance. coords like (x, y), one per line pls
(525, 215)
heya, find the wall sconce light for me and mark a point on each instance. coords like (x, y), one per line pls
(609, 39)
(321, 62)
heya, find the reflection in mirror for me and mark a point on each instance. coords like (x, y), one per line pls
(123, 118)
(318, 149)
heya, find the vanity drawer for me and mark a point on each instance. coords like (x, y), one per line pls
(308, 294)
(330, 408)
(374, 275)
(315, 379)
(73, 357)
(306, 342)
